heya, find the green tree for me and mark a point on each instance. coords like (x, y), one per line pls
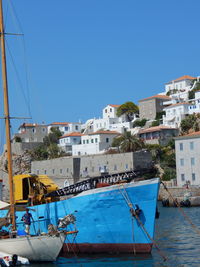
(53, 151)
(155, 123)
(129, 109)
(139, 123)
(191, 122)
(129, 143)
(49, 149)
(40, 153)
(52, 137)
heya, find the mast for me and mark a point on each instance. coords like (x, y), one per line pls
(7, 117)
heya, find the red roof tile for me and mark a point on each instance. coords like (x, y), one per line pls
(71, 134)
(178, 104)
(192, 134)
(114, 106)
(185, 77)
(164, 97)
(29, 125)
(156, 129)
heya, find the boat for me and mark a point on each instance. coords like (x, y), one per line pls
(12, 260)
(36, 247)
(114, 217)
(117, 218)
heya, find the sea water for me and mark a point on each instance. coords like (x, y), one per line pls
(174, 236)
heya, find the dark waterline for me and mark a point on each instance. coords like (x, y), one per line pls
(174, 236)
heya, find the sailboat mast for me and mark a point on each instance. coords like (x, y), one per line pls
(7, 116)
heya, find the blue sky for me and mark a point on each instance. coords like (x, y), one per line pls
(84, 54)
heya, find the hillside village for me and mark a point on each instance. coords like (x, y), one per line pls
(126, 137)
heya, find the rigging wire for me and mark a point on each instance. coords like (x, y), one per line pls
(17, 73)
(17, 23)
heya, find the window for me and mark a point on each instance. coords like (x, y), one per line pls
(66, 128)
(182, 177)
(181, 146)
(105, 110)
(126, 166)
(96, 140)
(115, 167)
(110, 109)
(92, 140)
(43, 129)
(191, 145)
(193, 176)
(33, 130)
(38, 172)
(60, 171)
(87, 141)
(76, 127)
(192, 161)
(53, 171)
(92, 169)
(45, 171)
(182, 162)
(83, 141)
(67, 170)
(107, 140)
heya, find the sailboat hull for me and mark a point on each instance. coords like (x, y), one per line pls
(37, 248)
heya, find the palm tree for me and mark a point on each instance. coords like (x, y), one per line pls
(130, 143)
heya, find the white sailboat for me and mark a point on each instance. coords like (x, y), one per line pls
(36, 248)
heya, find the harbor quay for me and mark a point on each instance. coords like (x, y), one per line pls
(179, 195)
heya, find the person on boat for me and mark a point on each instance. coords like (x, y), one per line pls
(27, 217)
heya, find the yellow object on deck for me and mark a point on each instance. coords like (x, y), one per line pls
(31, 189)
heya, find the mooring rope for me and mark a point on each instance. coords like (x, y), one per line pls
(129, 203)
(181, 210)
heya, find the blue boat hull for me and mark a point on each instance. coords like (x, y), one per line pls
(103, 218)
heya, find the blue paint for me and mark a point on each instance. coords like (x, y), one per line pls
(103, 217)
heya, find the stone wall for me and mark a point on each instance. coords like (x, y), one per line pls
(74, 169)
(19, 148)
(178, 192)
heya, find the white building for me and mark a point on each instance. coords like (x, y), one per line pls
(175, 113)
(110, 111)
(110, 121)
(65, 127)
(181, 85)
(94, 143)
(66, 141)
(188, 159)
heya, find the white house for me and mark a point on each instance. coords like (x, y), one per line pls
(175, 113)
(188, 159)
(181, 85)
(66, 141)
(110, 111)
(66, 127)
(94, 143)
(109, 122)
